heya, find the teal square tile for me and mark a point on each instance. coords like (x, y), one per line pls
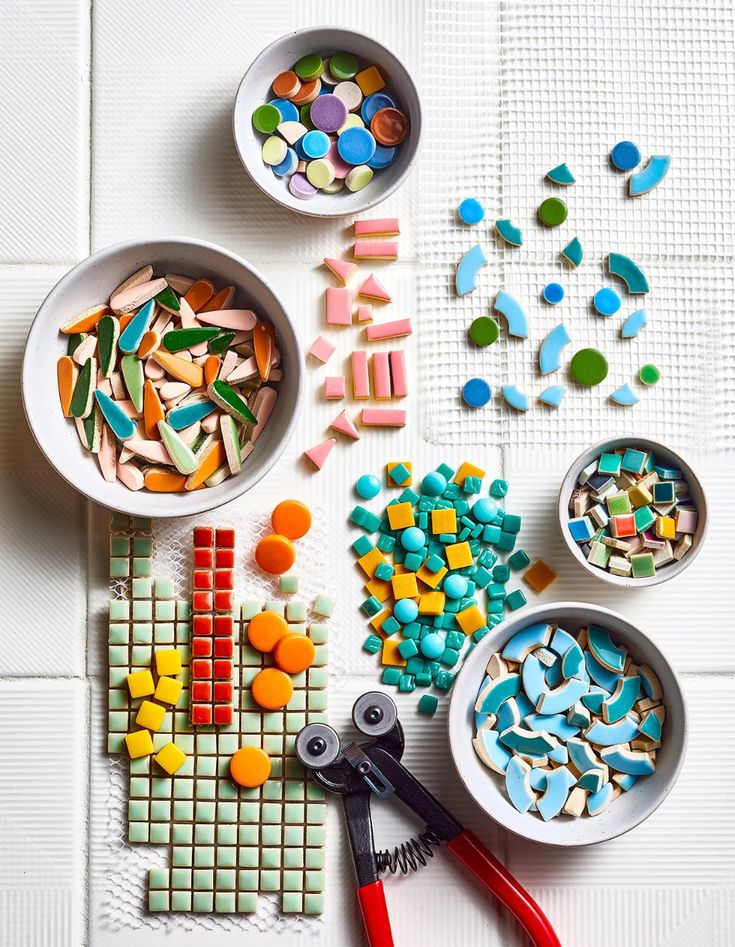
(317, 677)
(278, 607)
(314, 792)
(227, 835)
(117, 721)
(142, 567)
(140, 766)
(316, 814)
(139, 786)
(296, 611)
(117, 655)
(228, 791)
(183, 611)
(118, 700)
(317, 700)
(273, 744)
(298, 701)
(140, 655)
(142, 546)
(295, 722)
(288, 584)
(229, 743)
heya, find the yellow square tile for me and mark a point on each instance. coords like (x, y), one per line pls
(444, 521)
(470, 619)
(468, 470)
(170, 758)
(432, 579)
(168, 662)
(370, 80)
(390, 654)
(139, 743)
(380, 589)
(370, 561)
(150, 715)
(140, 684)
(459, 555)
(665, 527)
(400, 515)
(405, 586)
(168, 690)
(639, 496)
(432, 603)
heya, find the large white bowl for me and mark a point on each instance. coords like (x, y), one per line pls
(487, 788)
(92, 281)
(255, 89)
(667, 456)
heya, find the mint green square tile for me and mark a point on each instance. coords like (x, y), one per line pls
(247, 880)
(313, 903)
(119, 610)
(118, 632)
(296, 611)
(294, 792)
(272, 790)
(140, 655)
(276, 768)
(160, 810)
(251, 658)
(288, 584)
(270, 881)
(226, 856)
(292, 902)
(293, 880)
(161, 739)
(247, 902)
(270, 858)
(271, 812)
(204, 834)
(204, 856)
(182, 724)
(116, 743)
(250, 723)
(295, 722)
(186, 742)
(316, 814)
(317, 677)
(293, 858)
(227, 835)
(181, 900)
(142, 610)
(228, 790)
(289, 744)
(183, 610)
(298, 701)
(314, 881)
(207, 743)
(203, 879)
(314, 792)
(142, 546)
(293, 835)
(161, 787)
(247, 834)
(118, 700)
(182, 856)
(119, 567)
(142, 567)
(321, 655)
(248, 857)
(248, 609)
(140, 766)
(316, 717)
(271, 834)
(183, 810)
(117, 721)
(142, 632)
(278, 607)
(158, 901)
(165, 610)
(248, 675)
(206, 789)
(138, 832)
(225, 879)
(158, 878)
(138, 810)
(224, 902)
(299, 680)
(183, 788)
(293, 813)
(164, 588)
(206, 765)
(314, 858)
(142, 587)
(182, 834)
(139, 786)
(117, 655)
(315, 835)
(160, 833)
(164, 632)
(229, 743)
(227, 811)
(318, 632)
(181, 878)
(119, 546)
(317, 700)
(205, 811)
(183, 632)
(273, 744)
(202, 902)
(249, 812)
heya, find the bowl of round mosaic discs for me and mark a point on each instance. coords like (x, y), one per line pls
(567, 725)
(327, 122)
(162, 377)
(632, 512)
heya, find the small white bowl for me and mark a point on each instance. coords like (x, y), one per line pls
(662, 453)
(487, 788)
(92, 281)
(255, 89)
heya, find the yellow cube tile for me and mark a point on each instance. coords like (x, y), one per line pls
(168, 662)
(639, 496)
(390, 654)
(444, 521)
(432, 603)
(391, 466)
(468, 470)
(377, 620)
(665, 527)
(150, 715)
(171, 758)
(400, 515)
(405, 586)
(370, 561)
(380, 589)
(370, 80)
(139, 743)
(470, 619)
(168, 690)
(140, 684)
(432, 579)
(459, 555)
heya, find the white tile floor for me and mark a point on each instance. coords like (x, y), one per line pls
(115, 123)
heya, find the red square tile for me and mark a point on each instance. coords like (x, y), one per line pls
(223, 601)
(203, 558)
(224, 558)
(201, 669)
(224, 625)
(201, 714)
(202, 624)
(203, 536)
(223, 647)
(222, 692)
(226, 538)
(202, 579)
(223, 715)
(201, 601)
(224, 579)
(202, 647)
(223, 670)
(201, 692)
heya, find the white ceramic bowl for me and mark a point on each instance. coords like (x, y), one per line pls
(255, 89)
(662, 453)
(486, 787)
(92, 281)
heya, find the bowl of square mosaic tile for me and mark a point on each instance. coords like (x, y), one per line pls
(695, 500)
(623, 813)
(93, 280)
(255, 90)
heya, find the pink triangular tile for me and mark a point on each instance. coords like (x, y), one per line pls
(317, 455)
(344, 425)
(342, 269)
(373, 289)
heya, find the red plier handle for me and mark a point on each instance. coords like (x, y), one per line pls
(484, 866)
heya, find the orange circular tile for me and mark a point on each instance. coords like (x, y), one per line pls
(294, 653)
(250, 766)
(286, 84)
(275, 554)
(389, 126)
(291, 518)
(272, 689)
(264, 630)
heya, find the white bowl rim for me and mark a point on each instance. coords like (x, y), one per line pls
(202, 503)
(457, 723)
(382, 195)
(667, 572)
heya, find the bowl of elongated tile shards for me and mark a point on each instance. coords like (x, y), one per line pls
(567, 724)
(162, 377)
(632, 512)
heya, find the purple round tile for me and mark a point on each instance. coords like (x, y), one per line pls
(328, 113)
(300, 186)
